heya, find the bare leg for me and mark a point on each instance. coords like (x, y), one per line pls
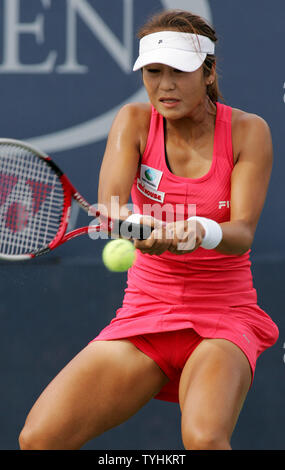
(103, 386)
(213, 387)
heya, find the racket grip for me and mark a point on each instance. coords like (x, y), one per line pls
(134, 231)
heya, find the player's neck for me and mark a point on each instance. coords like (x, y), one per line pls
(196, 124)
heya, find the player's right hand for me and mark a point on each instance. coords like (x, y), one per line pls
(158, 242)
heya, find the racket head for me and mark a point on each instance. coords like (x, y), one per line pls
(35, 201)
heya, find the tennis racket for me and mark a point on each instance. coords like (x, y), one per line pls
(35, 205)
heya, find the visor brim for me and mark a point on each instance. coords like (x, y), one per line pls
(185, 61)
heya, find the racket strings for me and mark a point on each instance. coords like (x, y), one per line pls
(31, 201)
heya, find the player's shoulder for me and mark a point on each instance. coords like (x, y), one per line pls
(135, 113)
(249, 131)
(134, 119)
(244, 122)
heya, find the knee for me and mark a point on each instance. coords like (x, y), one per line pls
(204, 440)
(31, 439)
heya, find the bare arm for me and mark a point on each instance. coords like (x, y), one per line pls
(121, 158)
(249, 184)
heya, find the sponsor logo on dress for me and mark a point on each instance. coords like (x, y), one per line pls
(150, 176)
(149, 192)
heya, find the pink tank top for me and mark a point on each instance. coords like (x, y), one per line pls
(203, 275)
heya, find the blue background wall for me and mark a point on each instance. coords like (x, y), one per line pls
(63, 100)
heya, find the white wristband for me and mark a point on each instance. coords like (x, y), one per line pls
(134, 218)
(213, 232)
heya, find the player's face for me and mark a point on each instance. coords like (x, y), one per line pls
(173, 93)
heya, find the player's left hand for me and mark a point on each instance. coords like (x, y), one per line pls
(186, 236)
(177, 237)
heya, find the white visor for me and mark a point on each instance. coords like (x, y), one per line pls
(182, 51)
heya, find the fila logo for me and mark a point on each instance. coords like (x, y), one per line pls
(246, 338)
(224, 204)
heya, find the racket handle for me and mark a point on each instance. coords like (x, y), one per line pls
(134, 231)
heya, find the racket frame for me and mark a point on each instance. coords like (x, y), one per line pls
(69, 193)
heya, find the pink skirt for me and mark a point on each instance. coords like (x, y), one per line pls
(142, 316)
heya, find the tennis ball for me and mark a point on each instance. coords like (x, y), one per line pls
(119, 255)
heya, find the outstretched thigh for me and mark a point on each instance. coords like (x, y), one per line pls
(103, 386)
(213, 386)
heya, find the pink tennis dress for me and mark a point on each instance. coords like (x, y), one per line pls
(208, 293)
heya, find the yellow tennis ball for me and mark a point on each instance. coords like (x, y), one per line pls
(119, 255)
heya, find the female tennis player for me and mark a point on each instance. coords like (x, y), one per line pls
(190, 329)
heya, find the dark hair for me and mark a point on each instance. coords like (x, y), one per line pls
(187, 22)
